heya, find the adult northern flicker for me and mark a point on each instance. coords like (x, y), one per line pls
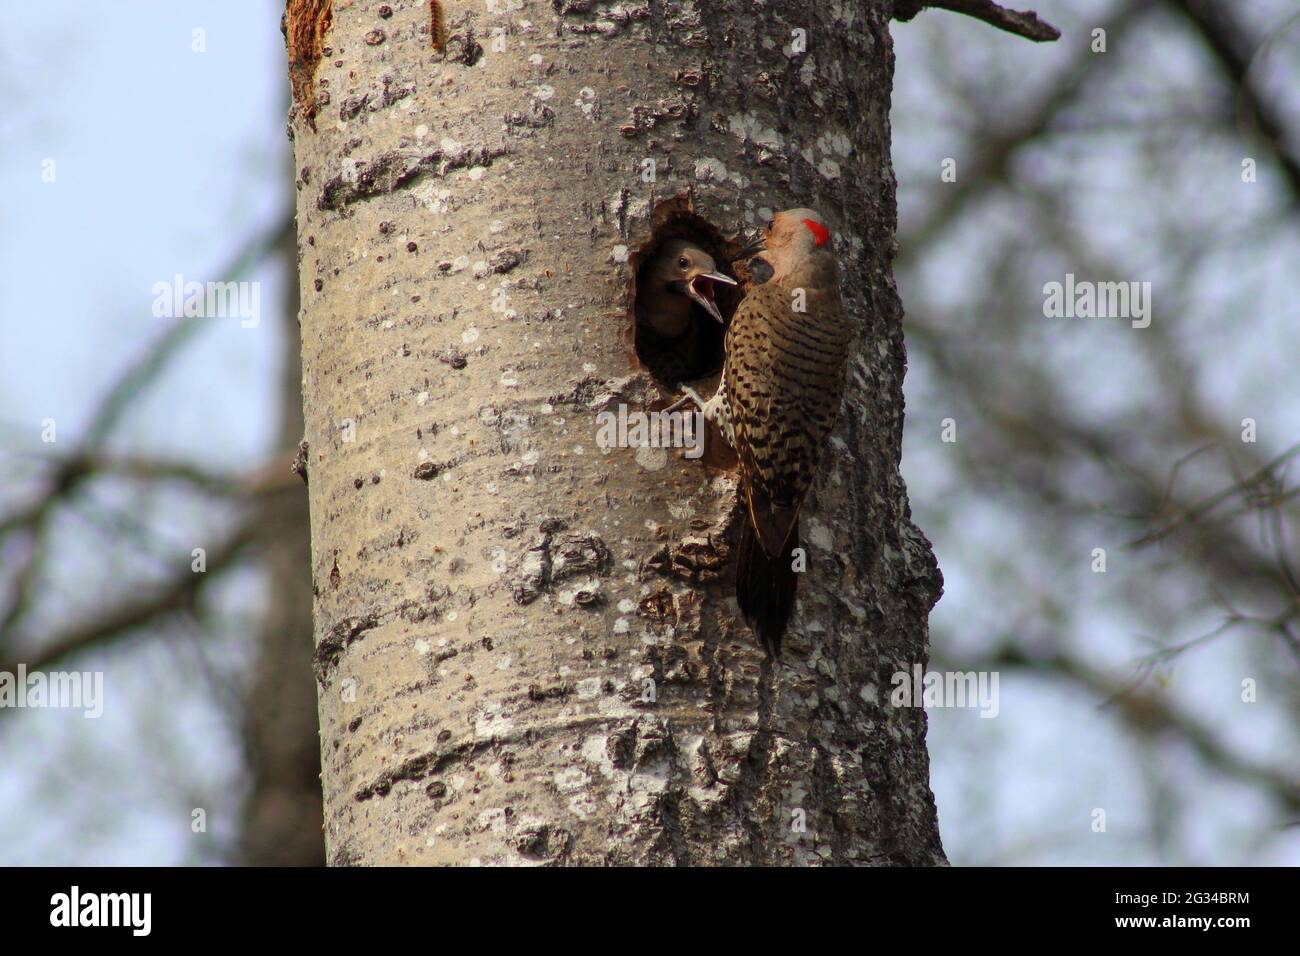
(678, 320)
(781, 386)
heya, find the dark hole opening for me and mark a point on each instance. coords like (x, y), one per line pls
(676, 337)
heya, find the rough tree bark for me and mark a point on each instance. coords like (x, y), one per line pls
(527, 647)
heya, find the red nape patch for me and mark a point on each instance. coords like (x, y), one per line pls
(821, 235)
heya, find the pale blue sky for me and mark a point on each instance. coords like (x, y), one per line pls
(167, 160)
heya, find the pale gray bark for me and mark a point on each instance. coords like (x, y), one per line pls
(493, 592)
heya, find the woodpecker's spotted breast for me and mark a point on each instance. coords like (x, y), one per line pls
(783, 384)
(776, 404)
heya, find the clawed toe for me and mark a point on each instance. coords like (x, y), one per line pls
(688, 395)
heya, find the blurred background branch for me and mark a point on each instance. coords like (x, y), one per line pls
(1115, 519)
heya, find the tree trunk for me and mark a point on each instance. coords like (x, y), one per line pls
(281, 819)
(527, 646)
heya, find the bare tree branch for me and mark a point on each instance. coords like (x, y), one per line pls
(132, 382)
(31, 523)
(1151, 714)
(1203, 508)
(33, 520)
(998, 144)
(135, 611)
(81, 465)
(1235, 49)
(1022, 23)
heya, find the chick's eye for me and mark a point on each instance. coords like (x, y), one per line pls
(683, 262)
(770, 224)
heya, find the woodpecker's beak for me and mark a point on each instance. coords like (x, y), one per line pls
(700, 288)
(751, 248)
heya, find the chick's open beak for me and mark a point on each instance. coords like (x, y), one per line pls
(700, 288)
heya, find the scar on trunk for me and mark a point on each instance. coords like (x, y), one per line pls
(304, 25)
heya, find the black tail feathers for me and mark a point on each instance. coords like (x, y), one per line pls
(765, 586)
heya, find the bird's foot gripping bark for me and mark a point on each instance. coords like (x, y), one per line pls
(688, 395)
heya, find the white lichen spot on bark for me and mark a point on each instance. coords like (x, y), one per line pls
(570, 779)
(808, 71)
(710, 170)
(651, 459)
(490, 720)
(749, 128)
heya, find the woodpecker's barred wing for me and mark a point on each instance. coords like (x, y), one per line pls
(784, 380)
